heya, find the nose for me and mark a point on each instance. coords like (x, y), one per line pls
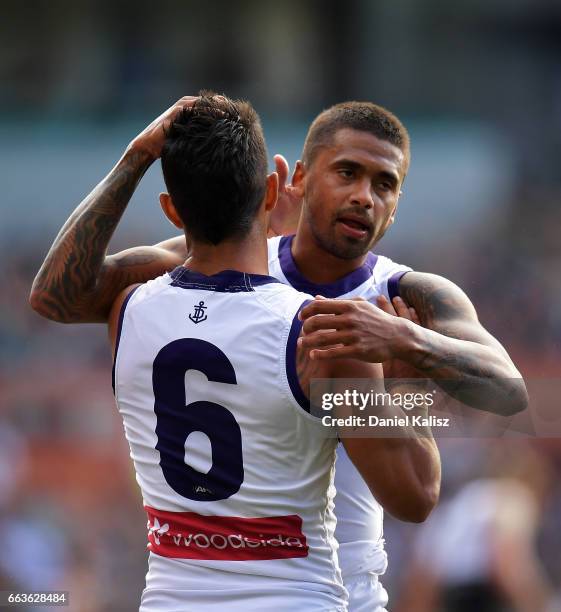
(362, 194)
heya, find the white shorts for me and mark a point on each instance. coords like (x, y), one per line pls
(366, 593)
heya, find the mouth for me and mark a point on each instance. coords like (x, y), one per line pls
(354, 227)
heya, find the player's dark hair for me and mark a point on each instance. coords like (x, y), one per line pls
(360, 116)
(214, 162)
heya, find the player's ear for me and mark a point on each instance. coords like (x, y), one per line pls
(169, 210)
(392, 216)
(298, 179)
(272, 191)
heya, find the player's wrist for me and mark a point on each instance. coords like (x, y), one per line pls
(408, 341)
(142, 152)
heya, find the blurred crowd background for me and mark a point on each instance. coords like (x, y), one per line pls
(477, 83)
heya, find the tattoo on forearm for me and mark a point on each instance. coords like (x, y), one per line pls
(443, 310)
(73, 266)
(477, 372)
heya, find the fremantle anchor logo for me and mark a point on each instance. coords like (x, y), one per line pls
(199, 315)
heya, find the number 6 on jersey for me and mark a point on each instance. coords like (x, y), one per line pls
(176, 420)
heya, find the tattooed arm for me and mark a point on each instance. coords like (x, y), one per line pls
(451, 346)
(77, 282)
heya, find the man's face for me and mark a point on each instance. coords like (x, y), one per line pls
(351, 190)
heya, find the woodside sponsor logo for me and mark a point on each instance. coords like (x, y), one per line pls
(188, 535)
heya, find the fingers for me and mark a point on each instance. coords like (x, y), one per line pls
(401, 308)
(281, 166)
(334, 352)
(172, 112)
(407, 312)
(325, 306)
(152, 137)
(325, 338)
(327, 321)
(384, 304)
(185, 102)
(331, 311)
(398, 308)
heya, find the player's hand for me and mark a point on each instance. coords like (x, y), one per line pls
(286, 214)
(397, 368)
(354, 329)
(398, 308)
(151, 139)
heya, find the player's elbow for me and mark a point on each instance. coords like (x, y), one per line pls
(514, 398)
(519, 398)
(426, 503)
(418, 507)
(41, 305)
(412, 499)
(45, 306)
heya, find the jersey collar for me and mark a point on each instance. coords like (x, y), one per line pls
(330, 290)
(226, 281)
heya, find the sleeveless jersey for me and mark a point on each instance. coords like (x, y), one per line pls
(235, 474)
(359, 528)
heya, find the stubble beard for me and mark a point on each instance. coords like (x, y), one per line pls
(343, 248)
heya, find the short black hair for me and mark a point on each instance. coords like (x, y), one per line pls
(214, 162)
(360, 116)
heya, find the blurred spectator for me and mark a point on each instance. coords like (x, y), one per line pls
(478, 551)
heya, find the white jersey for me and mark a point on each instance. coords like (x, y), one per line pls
(235, 473)
(359, 516)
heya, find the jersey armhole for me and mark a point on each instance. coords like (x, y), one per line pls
(119, 330)
(290, 361)
(393, 283)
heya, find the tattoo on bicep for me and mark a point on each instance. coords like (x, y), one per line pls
(135, 258)
(446, 310)
(435, 305)
(137, 266)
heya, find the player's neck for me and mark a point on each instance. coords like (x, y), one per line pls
(247, 255)
(318, 265)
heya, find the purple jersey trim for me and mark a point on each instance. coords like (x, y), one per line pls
(331, 290)
(119, 329)
(393, 283)
(227, 281)
(291, 372)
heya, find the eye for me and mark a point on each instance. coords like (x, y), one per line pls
(346, 172)
(385, 186)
